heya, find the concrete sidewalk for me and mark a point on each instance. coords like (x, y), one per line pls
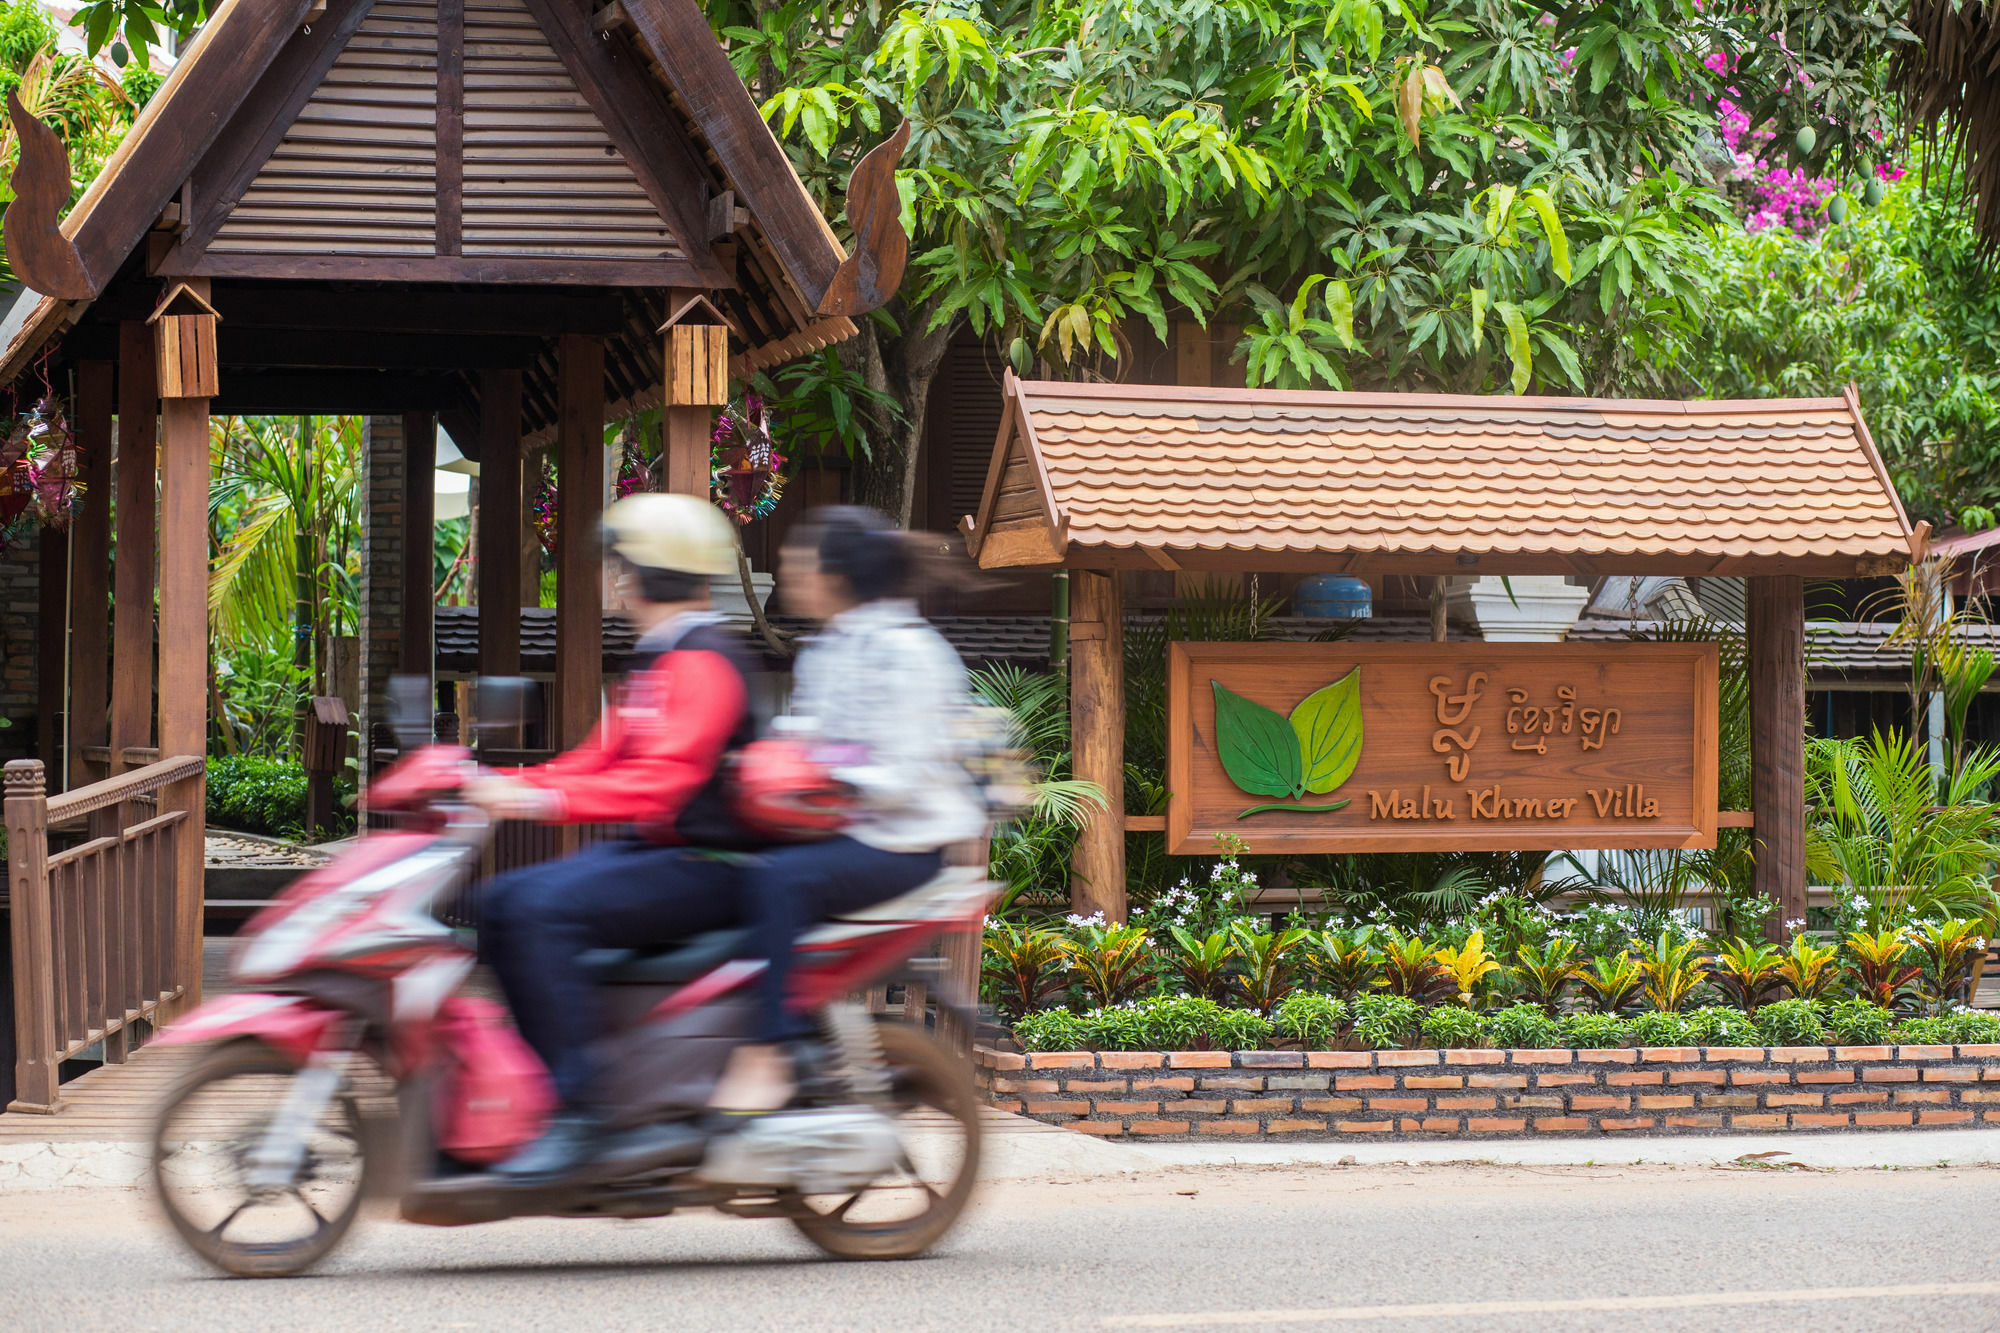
(1018, 1149)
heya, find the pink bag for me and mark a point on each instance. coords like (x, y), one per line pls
(496, 1093)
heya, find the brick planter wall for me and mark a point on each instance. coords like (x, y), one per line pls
(1487, 1094)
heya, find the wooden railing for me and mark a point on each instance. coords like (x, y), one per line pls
(106, 932)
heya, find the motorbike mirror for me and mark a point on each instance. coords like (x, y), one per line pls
(410, 711)
(504, 703)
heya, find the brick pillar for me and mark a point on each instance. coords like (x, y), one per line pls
(383, 470)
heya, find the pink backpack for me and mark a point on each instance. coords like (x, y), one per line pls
(496, 1093)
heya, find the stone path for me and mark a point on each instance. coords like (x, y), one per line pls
(249, 852)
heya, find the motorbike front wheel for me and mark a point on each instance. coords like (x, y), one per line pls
(937, 1116)
(204, 1139)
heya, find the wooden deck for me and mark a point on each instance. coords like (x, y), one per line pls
(110, 1104)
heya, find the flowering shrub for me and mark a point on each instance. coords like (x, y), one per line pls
(1790, 1023)
(1523, 1027)
(1453, 1027)
(1859, 1022)
(1594, 1032)
(1310, 1020)
(1658, 1029)
(1383, 1021)
(1961, 1026)
(1715, 1026)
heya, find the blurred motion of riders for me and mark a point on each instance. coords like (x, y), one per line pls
(685, 991)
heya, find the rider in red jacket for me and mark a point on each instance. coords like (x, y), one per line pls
(656, 761)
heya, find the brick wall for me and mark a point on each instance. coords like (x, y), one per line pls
(1475, 1094)
(381, 568)
(20, 611)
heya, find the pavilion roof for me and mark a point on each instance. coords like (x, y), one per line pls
(1147, 476)
(611, 151)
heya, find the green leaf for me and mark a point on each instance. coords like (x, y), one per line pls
(1552, 228)
(1258, 748)
(1518, 349)
(1328, 725)
(1478, 317)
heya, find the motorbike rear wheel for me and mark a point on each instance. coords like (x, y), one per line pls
(938, 1118)
(203, 1136)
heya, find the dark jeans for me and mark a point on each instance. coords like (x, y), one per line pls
(538, 921)
(790, 889)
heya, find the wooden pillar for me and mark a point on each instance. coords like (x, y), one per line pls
(37, 1086)
(1097, 737)
(579, 566)
(500, 523)
(415, 655)
(183, 726)
(51, 647)
(136, 497)
(684, 465)
(1777, 742)
(90, 572)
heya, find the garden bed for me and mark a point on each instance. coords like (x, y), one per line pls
(1475, 1094)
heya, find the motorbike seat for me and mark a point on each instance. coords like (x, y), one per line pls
(673, 964)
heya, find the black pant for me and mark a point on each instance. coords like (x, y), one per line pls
(789, 889)
(538, 921)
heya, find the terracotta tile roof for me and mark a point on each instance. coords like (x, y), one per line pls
(1580, 483)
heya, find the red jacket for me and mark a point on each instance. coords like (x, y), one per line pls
(655, 760)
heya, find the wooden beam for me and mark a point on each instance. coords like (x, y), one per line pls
(450, 127)
(651, 139)
(90, 580)
(579, 565)
(249, 138)
(415, 656)
(322, 308)
(677, 35)
(499, 523)
(1097, 738)
(1777, 635)
(354, 392)
(135, 484)
(565, 271)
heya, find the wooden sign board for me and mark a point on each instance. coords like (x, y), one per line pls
(1390, 747)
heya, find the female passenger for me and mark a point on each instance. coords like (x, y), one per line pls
(883, 689)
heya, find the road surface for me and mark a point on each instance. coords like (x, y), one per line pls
(1374, 1247)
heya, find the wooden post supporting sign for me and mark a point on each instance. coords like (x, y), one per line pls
(1777, 743)
(1097, 737)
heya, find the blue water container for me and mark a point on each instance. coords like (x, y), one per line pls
(1332, 597)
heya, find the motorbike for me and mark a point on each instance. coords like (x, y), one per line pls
(357, 1063)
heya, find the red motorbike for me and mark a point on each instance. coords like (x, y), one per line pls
(354, 1065)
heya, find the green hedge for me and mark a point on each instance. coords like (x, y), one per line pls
(268, 796)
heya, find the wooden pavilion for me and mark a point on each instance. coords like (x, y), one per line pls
(520, 218)
(1106, 479)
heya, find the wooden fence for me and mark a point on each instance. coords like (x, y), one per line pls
(106, 932)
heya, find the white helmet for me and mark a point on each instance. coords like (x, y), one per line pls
(671, 532)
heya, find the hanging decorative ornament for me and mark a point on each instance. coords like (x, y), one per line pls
(545, 508)
(41, 467)
(636, 472)
(746, 473)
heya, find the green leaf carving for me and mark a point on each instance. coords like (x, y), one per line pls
(1328, 725)
(1258, 748)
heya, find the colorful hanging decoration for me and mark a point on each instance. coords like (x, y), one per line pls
(39, 462)
(746, 473)
(636, 472)
(544, 517)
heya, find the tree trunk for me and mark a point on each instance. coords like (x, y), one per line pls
(902, 366)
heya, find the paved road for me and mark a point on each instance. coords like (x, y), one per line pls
(1376, 1247)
